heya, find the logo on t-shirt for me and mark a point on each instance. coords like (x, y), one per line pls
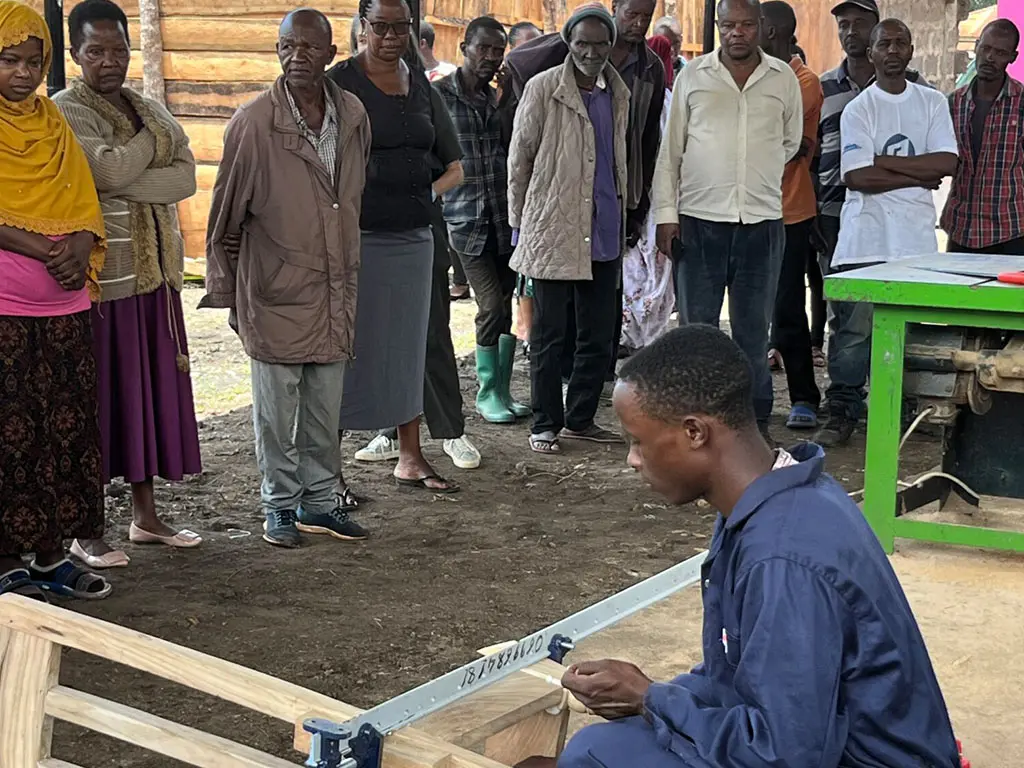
(899, 145)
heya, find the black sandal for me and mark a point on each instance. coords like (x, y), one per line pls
(19, 582)
(69, 580)
(349, 501)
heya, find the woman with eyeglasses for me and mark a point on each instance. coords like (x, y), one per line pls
(384, 384)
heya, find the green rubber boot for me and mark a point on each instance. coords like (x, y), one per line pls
(489, 402)
(506, 357)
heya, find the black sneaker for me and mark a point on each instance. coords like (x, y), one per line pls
(837, 432)
(279, 529)
(337, 523)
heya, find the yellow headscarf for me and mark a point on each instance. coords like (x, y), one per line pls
(47, 186)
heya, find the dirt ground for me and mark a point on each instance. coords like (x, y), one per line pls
(529, 540)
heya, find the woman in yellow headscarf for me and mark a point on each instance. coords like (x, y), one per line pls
(51, 248)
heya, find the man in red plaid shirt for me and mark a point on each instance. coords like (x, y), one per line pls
(985, 210)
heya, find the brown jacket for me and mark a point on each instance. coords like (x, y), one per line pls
(293, 282)
(551, 174)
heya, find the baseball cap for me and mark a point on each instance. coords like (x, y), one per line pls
(865, 5)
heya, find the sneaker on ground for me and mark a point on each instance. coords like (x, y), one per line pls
(381, 448)
(336, 523)
(836, 433)
(462, 452)
(279, 529)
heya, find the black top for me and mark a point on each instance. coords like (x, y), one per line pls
(981, 110)
(404, 151)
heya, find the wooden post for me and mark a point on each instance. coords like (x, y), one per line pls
(554, 14)
(151, 42)
(30, 669)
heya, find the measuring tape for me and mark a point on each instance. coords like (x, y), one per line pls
(358, 742)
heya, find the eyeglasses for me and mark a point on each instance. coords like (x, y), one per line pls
(400, 28)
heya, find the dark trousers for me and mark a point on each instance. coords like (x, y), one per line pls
(819, 307)
(594, 314)
(790, 331)
(745, 260)
(442, 395)
(1013, 247)
(493, 284)
(458, 272)
(569, 351)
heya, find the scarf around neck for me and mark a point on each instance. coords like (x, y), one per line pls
(47, 185)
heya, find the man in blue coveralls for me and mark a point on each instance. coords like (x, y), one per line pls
(812, 657)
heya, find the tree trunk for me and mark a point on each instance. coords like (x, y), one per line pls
(151, 42)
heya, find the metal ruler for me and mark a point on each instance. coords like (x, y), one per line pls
(363, 733)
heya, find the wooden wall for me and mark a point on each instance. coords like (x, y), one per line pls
(219, 54)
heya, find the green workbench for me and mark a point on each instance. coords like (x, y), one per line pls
(912, 291)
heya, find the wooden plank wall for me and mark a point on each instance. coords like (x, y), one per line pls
(219, 54)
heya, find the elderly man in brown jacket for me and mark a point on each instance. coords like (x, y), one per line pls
(566, 189)
(283, 255)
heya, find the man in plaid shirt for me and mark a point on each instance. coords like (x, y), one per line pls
(985, 209)
(476, 213)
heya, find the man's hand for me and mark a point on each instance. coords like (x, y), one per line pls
(664, 236)
(232, 243)
(69, 260)
(611, 689)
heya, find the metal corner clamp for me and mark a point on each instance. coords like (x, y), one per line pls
(359, 742)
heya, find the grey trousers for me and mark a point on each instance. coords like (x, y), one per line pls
(295, 414)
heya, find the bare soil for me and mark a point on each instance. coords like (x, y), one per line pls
(529, 540)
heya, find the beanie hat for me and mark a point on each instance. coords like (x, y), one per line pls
(589, 11)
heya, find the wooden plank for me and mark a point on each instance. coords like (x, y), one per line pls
(154, 733)
(542, 734)
(206, 175)
(212, 33)
(206, 137)
(205, 67)
(30, 670)
(248, 688)
(193, 213)
(217, 100)
(222, 7)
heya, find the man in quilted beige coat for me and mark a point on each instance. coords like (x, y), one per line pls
(566, 190)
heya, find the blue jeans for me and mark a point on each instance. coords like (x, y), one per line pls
(746, 260)
(849, 340)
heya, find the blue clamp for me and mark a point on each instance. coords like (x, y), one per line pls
(559, 646)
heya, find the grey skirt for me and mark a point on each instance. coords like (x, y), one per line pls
(384, 382)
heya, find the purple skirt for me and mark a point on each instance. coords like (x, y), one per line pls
(147, 417)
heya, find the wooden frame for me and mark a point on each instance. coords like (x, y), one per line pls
(494, 728)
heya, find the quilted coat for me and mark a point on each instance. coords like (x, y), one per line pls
(551, 174)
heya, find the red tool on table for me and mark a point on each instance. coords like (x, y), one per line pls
(1014, 278)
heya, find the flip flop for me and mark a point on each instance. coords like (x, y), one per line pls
(593, 434)
(114, 559)
(19, 582)
(183, 539)
(818, 356)
(545, 443)
(69, 580)
(802, 417)
(421, 484)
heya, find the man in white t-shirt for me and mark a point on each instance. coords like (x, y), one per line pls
(435, 69)
(897, 145)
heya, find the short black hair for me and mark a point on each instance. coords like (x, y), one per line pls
(485, 22)
(754, 5)
(876, 30)
(427, 33)
(517, 29)
(780, 14)
(91, 11)
(693, 369)
(1003, 27)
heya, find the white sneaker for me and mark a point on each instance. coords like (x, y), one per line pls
(381, 448)
(462, 452)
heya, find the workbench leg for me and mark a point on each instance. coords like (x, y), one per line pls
(885, 403)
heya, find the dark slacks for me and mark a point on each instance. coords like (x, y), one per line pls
(458, 272)
(442, 395)
(745, 260)
(1013, 247)
(819, 307)
(595, 310)
(790, 329)
(493, 284)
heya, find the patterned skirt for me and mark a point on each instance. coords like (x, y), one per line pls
(51, 487)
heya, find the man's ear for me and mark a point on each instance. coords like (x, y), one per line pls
(697, 431)
(462, 47)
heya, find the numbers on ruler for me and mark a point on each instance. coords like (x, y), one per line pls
(497, 661)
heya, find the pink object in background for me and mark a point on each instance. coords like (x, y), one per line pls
(1014, 11)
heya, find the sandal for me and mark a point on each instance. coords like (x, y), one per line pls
(593, 434)
(546, 443)
(183, 539)
(818, 357)
(69, 580)
(348, 500)
(19, 582)
(113, 559)
(456, 294)
(774, 360)
(421, 483)
(802, 416)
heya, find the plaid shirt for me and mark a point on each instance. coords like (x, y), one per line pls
(986, 200)
(326, 142)
(482, 199)
(839, 90)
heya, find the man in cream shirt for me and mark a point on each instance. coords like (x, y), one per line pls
(736, 120)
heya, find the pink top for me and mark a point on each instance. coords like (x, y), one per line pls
(28, 290)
